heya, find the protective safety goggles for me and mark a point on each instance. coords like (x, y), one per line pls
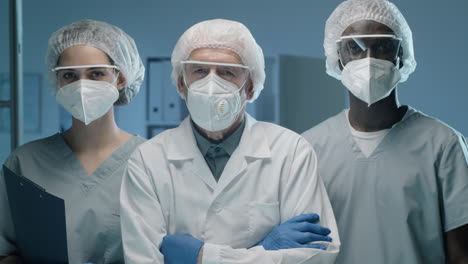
(196, 70)
(100, 72)
(355, 47)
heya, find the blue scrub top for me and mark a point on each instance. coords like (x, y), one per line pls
(395, 205)
(91, 201)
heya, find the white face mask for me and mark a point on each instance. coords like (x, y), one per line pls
(214, 103)
(87, 100)
(370, 79)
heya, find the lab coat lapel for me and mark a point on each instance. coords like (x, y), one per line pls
(201, 169)
(252, 146)
(183, 147)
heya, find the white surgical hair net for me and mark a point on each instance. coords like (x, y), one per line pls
(119, 46)
(225, 34)
(381, 11)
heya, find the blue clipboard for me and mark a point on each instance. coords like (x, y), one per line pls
(38, 219)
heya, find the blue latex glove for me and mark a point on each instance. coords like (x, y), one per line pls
(296, 233)
(180, 249)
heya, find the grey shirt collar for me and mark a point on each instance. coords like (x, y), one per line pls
(229, 144)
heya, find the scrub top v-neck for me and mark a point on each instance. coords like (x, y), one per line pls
(91, 201)
(399, 201)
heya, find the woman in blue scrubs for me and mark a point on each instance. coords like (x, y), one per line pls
(93, 66)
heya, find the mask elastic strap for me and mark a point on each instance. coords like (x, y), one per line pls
(341, 62)
(397, 63)
(116, 80)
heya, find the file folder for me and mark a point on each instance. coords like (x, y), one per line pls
(38, 219)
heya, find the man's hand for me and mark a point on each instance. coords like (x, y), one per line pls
(296, 233)
(181, 249)
(456, 244)
(10, 260)
(200, 256)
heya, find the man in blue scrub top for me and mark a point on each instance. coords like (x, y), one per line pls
(397, 178)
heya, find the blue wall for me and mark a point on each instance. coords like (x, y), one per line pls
(438, 87)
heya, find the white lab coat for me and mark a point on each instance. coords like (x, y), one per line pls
(270, 178)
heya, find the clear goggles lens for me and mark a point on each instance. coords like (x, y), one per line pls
(196, 70)
(69, 74)
(355, 47)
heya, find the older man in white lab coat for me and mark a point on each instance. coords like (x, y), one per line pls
(222, 187)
